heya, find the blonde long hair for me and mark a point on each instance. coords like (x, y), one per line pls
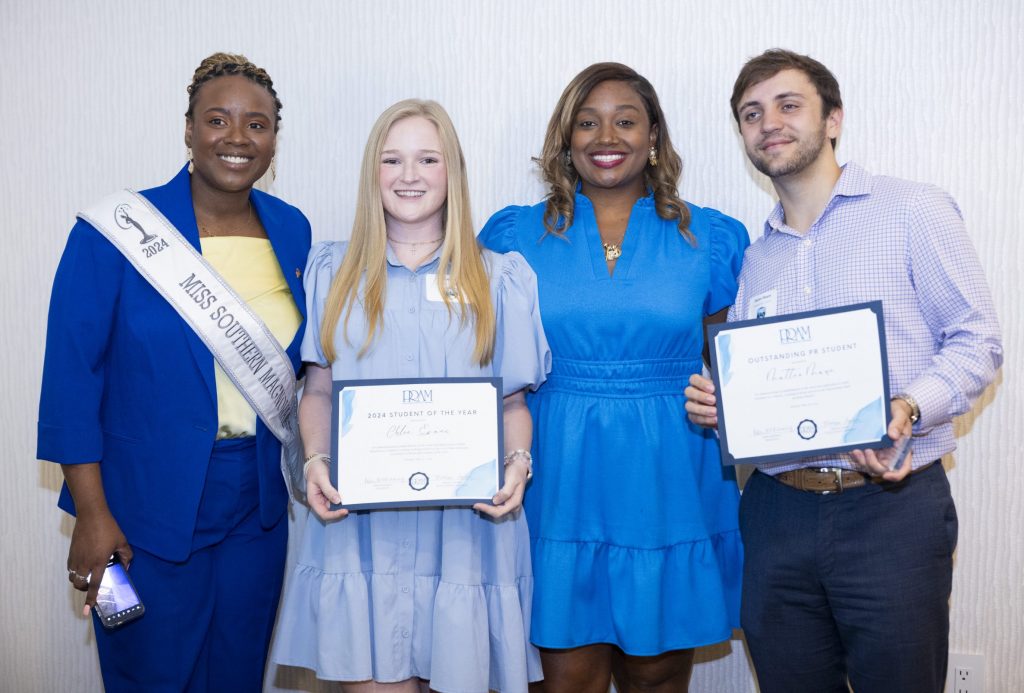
(366, 259)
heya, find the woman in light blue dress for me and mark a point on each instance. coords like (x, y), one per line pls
(633, 520)
(396, 599)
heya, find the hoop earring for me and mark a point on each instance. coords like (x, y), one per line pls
(652, 156)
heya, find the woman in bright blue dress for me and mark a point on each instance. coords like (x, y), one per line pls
(633, 520)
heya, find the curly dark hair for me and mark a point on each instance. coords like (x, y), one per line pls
(224, 64)
(562, 177)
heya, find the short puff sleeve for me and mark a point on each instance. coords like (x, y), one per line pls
(324, 260)
(729, 240)
(499, 233)
(521, 354)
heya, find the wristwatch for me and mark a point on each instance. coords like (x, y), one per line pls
(915, 411)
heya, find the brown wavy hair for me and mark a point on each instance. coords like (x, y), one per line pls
(225, 64)
(562, 178)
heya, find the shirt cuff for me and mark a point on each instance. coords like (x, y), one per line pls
(933, 398)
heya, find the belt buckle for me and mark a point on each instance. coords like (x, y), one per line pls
(839, 479)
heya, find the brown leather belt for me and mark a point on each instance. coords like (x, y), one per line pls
(826, 480)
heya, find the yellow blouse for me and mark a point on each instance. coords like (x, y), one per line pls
(250, 267)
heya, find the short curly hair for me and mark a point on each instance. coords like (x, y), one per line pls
(225, 64)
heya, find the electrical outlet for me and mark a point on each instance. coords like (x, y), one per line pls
(966, 674)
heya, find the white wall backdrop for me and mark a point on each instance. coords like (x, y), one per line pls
(92, 97)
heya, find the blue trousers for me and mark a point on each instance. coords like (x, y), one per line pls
(854, 585)
(208, 619)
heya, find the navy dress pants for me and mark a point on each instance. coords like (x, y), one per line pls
(851, 586)
(208, 619)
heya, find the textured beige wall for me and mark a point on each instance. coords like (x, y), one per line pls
(92, 96)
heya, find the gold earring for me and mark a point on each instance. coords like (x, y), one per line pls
(652, 156)
(191, 166)
(273, 168)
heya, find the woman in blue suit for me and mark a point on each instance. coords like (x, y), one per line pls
(166, 464)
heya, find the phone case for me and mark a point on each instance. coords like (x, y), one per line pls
(117, 602)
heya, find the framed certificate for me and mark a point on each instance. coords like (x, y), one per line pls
(422, 442)
(803, 384)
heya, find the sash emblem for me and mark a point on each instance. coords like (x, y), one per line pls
(125, 221)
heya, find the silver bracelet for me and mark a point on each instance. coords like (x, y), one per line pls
(523, 454)
(310, 459)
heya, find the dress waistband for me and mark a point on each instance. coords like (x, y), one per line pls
(638, 378)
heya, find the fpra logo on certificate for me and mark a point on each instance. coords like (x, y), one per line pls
(419, 442)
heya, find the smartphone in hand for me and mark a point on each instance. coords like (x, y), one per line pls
(117, 602)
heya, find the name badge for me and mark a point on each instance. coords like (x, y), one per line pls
(431, 290)
(763, 305)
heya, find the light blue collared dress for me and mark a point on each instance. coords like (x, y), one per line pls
(633, 520)
(440, 594)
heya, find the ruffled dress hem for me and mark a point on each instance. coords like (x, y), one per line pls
(669, 591)
(458, 631)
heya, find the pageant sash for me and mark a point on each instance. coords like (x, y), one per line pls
(238, 339)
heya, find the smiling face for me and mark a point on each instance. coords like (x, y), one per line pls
(413, 179)
(783, 129)
(231, 133)
(611, 136)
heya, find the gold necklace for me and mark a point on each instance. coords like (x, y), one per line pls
(206, 229)
(613, 251)
(415, 243)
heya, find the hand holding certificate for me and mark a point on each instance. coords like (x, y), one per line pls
(801, 385)
(417, 442)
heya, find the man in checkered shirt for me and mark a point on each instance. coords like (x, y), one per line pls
(849, 563)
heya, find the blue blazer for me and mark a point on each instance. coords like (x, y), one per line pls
(128, 384)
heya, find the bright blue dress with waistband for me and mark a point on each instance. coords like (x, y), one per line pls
(633, 519)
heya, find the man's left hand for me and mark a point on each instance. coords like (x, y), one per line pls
(879, 463)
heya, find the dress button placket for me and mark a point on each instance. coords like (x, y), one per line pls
(414, 296)
(405, 564)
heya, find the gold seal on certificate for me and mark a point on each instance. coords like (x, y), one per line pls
(802, 384)
(408, 443)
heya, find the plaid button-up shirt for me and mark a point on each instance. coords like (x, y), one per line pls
(905, 244)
